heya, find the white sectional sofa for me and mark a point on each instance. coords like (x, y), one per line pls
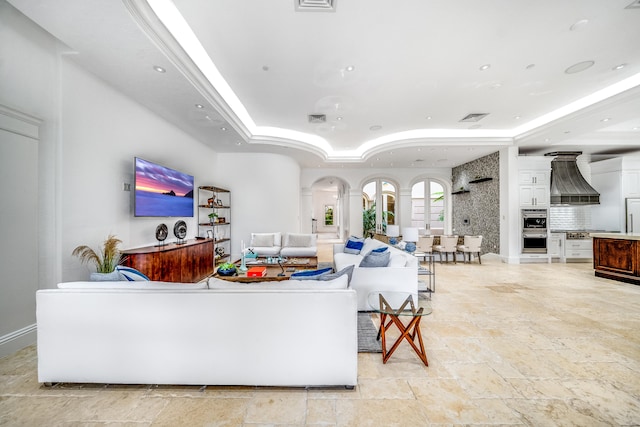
(400, 275)
(301, 334)
(289, 245)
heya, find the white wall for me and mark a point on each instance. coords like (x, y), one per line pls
(265, 194)
(89, 136)
(101, 133)
(28, 77)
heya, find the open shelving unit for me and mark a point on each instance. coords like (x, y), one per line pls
(214, 220)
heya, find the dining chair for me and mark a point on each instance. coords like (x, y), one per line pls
(472, 245)
(448, 245)
(425, 244)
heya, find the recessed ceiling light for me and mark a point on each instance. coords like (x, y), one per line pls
(338, 118)
(428, 117)
(579, 25)
(636, 128)
(239, 143)
(200, 106)
(159, 69)
(375, 127)
(580, 66)
(619, 67)
(485, 67)
(517, 117)
(606, 119)
(350, 68)
(547, 139)
(223, 128)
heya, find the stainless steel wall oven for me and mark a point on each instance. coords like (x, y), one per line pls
(534, 231)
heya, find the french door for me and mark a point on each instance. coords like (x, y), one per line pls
(428, 206)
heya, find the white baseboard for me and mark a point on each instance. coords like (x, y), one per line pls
(17, 340)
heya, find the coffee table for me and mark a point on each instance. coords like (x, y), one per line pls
(407, 307)
(292, 265)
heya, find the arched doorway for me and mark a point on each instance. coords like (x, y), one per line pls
(329, 214)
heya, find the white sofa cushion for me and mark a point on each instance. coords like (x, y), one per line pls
(343, 259)
(145, 285)
(340, 282)
(262, 239)
(299, 240)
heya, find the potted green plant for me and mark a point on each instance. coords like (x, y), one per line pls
(213, 217)
(106, 260)
(227, 269)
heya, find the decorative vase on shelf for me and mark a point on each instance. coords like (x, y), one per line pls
(411, 247)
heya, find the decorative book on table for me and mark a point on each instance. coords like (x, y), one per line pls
(257, 272)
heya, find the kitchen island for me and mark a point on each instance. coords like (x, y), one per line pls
(617, 256)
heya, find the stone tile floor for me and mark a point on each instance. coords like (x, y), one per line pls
(508, 345)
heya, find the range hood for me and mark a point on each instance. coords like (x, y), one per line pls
(568, 186)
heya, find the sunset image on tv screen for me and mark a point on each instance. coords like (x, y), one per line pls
(161, 191)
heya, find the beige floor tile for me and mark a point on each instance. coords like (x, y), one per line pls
(508, 345)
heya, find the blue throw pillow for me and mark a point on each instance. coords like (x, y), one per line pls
(376, 259)
(311, 274)
(131, 274)
(354, 245)
(380, 249)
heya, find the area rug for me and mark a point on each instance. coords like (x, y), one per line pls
(367, 334)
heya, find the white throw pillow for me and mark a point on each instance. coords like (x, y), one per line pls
(298, 240)
(262, 239)
(397, 260)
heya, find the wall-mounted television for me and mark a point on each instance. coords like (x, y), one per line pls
(161, 191)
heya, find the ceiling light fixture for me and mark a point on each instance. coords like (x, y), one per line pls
(350, 68)
(200, 106)
(580, 66)
(485, 67)
(619, 67)
(223, 128)
(428, 117)
(606, 119)
(517, 117)
(159, 69)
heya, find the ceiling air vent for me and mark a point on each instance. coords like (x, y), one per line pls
(634, 5)
(317, 118)
(315, 5)
(474, 117)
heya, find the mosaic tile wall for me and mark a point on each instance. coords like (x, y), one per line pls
(478, 210)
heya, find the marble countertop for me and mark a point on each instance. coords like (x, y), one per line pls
(620, 236)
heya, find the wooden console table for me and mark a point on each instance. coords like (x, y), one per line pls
(188, 263)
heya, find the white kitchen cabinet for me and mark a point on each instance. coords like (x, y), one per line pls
(555, 246)
(534, 195)
(534, 177)
(534, 174)
(578, 249)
